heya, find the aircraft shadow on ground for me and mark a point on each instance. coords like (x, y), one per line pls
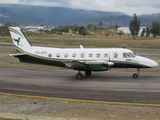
(116, 77)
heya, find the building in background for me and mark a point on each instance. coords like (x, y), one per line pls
(126, 30)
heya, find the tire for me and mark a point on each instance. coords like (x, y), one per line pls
(79, 76)
(88, 73)
(135, 76)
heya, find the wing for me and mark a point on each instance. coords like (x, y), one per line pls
(98, 62)
(89, 65)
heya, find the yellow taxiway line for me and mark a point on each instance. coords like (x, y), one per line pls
(77, 100)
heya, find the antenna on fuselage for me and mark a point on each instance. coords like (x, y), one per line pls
(81, 46)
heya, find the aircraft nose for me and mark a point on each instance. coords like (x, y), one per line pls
(153, 63)
(148, 62)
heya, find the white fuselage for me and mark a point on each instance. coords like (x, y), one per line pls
(90, 54)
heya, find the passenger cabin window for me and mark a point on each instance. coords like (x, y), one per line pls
(82, 55)
(49, 55)
(65, 55)
(105, 55)
(115, 55)
(57, 55)
(98, 55)
(74, 55)
(90, 55)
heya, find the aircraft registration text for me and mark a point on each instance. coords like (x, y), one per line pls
(41, 52)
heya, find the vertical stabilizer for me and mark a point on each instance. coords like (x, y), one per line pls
(19, 40)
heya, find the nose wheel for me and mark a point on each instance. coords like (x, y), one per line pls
(135, 75)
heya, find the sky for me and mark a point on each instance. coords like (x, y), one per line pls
(126, 6)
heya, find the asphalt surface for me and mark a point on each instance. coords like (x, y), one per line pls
(116, 86)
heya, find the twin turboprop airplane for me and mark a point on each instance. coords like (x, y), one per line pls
(80, 59)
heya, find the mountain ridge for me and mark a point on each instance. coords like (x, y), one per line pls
(60, 16)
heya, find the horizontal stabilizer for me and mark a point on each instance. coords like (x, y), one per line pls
(16, 54)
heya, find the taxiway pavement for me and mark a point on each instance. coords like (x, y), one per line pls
(111, 85)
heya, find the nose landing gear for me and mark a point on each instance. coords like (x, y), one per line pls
(135, 75)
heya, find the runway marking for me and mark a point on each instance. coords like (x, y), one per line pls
(77, 100)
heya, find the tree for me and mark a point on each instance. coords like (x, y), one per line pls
(100, 24)
(90, 26)
(148, 32)
(116, 26)
(82, 31)
(134, 26)
(142, 33)
(75, 28)
(7, 24)
(120, 33)
(4, 31)
(155, 30)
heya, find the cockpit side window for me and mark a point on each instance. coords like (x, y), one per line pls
(134, 54)
(129, 55)
(126, 55)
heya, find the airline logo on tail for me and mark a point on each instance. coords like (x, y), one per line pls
(17, 40)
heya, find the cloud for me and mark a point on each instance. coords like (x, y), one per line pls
(46, 2)
(139, 3)
(126, 6)
(9, 1)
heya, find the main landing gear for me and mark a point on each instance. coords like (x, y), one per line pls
(79, 75)
(88, 73)
(135, 75)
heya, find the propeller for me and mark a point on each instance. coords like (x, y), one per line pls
(110, 63)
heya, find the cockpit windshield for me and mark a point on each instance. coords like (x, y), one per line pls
(129, 55)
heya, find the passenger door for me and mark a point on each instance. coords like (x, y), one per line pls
(114, 56)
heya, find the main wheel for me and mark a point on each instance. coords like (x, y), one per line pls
(79, 76)
(135, 75)
(88, 73)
